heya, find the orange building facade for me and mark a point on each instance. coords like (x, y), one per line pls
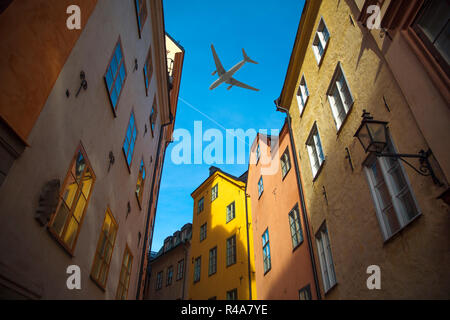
(282, 255)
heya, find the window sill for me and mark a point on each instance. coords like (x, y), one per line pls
(61, 243)
(330, 289)
(316, 176)
(399, 232)
(98, 284)
(350, 109)
(304, 107)
(126, 162)
(298, 246)
(268, 270)
(260, 195)
(283, 177)
(230, 220)
(138, 201)
(230, 265)
(320, 60)
(109, 99)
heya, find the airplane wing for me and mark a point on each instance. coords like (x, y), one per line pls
(220, 69)
(236, 83)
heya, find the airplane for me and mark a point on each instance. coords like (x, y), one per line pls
(227, 76)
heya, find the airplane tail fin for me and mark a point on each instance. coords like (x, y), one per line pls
(247, 59)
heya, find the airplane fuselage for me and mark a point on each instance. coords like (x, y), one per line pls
(226, 77)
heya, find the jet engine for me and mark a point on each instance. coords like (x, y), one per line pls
(229, 88)
(214, 73)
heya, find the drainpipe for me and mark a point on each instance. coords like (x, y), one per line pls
(248, 243)
(185, 246)
(302, 197)
(144, 248)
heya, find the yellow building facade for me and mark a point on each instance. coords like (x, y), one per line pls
(221, 256)
(364, 211)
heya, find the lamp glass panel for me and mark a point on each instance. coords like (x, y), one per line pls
(378, 134)
(364, 137)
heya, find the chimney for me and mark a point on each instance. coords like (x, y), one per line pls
(212, 169)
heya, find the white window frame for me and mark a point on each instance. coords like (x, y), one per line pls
(302, 95)
(215, 192)
(231, 212)
(325, 258)
(312, 145)
(401, 214)
(319, 38)
(341, 108)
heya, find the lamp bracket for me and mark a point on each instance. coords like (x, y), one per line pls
(425, 168)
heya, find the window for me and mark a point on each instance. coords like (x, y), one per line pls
(103, 253)
(258, 153)
(339, 97)
(296, 227)
(305, 293)
(315, 151)
(141, 12)
(66, 222)
(140, 183)
(285, 163)
(213, 298)
(231, 251)
(203, 232)
(130, 140)
(153, 115)
(393, 197)
(180, 269)
(325, 258)
(214, 192)
(231, 213)
(148, 70)
(169, 276)
(320, 42)
(260, 186)
(212, 261)
(197, 269)
(266, 251)
(200, 205)
(302, 95)
(232, 294)
(115, 76)
(432, 25)
(125, 273)
(159, 278)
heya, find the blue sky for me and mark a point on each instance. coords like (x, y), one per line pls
(266, 30)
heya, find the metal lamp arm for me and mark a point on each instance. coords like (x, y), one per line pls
(425, 167)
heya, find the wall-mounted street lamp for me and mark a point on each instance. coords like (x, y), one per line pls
(374, 137)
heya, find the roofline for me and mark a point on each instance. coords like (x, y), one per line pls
(308, 6)
(236, 180)
(176, 42)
